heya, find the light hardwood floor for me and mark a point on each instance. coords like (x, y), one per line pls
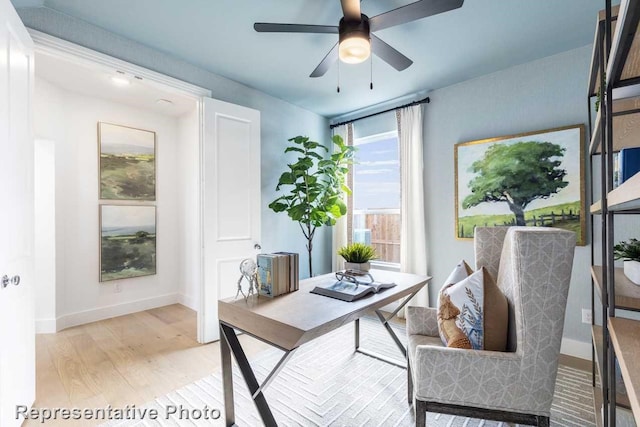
(123, 361)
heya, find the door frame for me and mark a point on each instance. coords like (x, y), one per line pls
(49, 45)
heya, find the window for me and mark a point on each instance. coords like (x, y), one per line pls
(376, 195)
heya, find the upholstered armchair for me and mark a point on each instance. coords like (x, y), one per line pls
(533, 269)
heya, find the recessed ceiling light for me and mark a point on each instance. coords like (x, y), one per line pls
(164, 102)
(120, 81)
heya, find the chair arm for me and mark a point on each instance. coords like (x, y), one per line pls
(484, 379)
(422, 321)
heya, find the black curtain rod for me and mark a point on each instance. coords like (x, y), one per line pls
(411, 104)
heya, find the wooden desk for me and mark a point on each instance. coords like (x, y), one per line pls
(290, 320)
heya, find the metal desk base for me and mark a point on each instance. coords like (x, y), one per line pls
(229, 344)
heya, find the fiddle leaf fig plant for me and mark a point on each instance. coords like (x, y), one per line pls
(314, 185)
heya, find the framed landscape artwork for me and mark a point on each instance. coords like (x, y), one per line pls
(533, 179)
(127, 163)
(127, 241)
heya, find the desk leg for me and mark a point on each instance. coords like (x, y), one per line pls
(227, 380)
(385, 323)
(249, 378)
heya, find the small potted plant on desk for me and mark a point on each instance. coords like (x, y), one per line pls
(629, 252)
(357, 256)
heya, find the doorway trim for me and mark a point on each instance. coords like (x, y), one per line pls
(50, 45)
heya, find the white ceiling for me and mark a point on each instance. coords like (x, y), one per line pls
(481, 37)
(95, 81)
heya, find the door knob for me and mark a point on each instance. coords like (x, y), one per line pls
(257, 247)
(5, 280)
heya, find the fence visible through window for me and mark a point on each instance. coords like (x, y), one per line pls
(381, 229)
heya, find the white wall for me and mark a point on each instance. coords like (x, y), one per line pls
(45, 235)
(70, 120)
(543, 94)
(189, 215)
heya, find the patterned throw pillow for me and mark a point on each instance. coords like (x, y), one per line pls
(472, 311)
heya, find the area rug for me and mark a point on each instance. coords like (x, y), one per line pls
(326, 384)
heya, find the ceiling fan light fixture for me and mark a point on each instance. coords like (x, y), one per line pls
(355, 40)
(354, 50)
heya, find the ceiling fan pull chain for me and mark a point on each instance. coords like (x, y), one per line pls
(338, 90)
(371, 80)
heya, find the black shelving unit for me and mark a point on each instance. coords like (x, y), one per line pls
(615, 74)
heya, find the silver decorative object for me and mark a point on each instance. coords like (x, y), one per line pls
(249, 270)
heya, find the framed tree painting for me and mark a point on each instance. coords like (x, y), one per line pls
(532, 179)
(127, 163)
(127, 241)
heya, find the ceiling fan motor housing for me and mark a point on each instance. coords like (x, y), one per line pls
(350, 28)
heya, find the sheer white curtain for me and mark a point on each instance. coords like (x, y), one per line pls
(413, 237)
(341, 229)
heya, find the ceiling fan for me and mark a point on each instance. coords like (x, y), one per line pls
(355, 38)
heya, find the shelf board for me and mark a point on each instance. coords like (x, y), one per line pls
(622, 399)
(626, 126)
(625, 336)
(602, 15)
(624, 60)
(596, 336)
(595, 61)
(596, 140)
(597, 405)
(626, 196)
(596, 208)
(627, 293)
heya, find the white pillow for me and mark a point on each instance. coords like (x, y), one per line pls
(472, 311)
(468, 296)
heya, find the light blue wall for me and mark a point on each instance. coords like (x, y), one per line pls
(543, 94)
(280, 120)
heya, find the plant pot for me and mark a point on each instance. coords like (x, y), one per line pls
(632, 271)
(364, 266)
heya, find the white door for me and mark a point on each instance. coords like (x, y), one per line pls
(17, 331)
(231, 203)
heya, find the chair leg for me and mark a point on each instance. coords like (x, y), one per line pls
(409, 383)
(543, 421)
(421, 413)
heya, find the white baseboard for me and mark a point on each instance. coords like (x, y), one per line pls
(575, 348)
(46, 326)
(88, 316)
(188, 301)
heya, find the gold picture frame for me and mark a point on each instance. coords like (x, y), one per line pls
(485, 176)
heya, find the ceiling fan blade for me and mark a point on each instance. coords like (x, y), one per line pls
(326, 63)
(389, 55)
(264, 27)
(411, 12)
(351, 10)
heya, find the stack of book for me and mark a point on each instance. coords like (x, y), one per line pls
(277, 273)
